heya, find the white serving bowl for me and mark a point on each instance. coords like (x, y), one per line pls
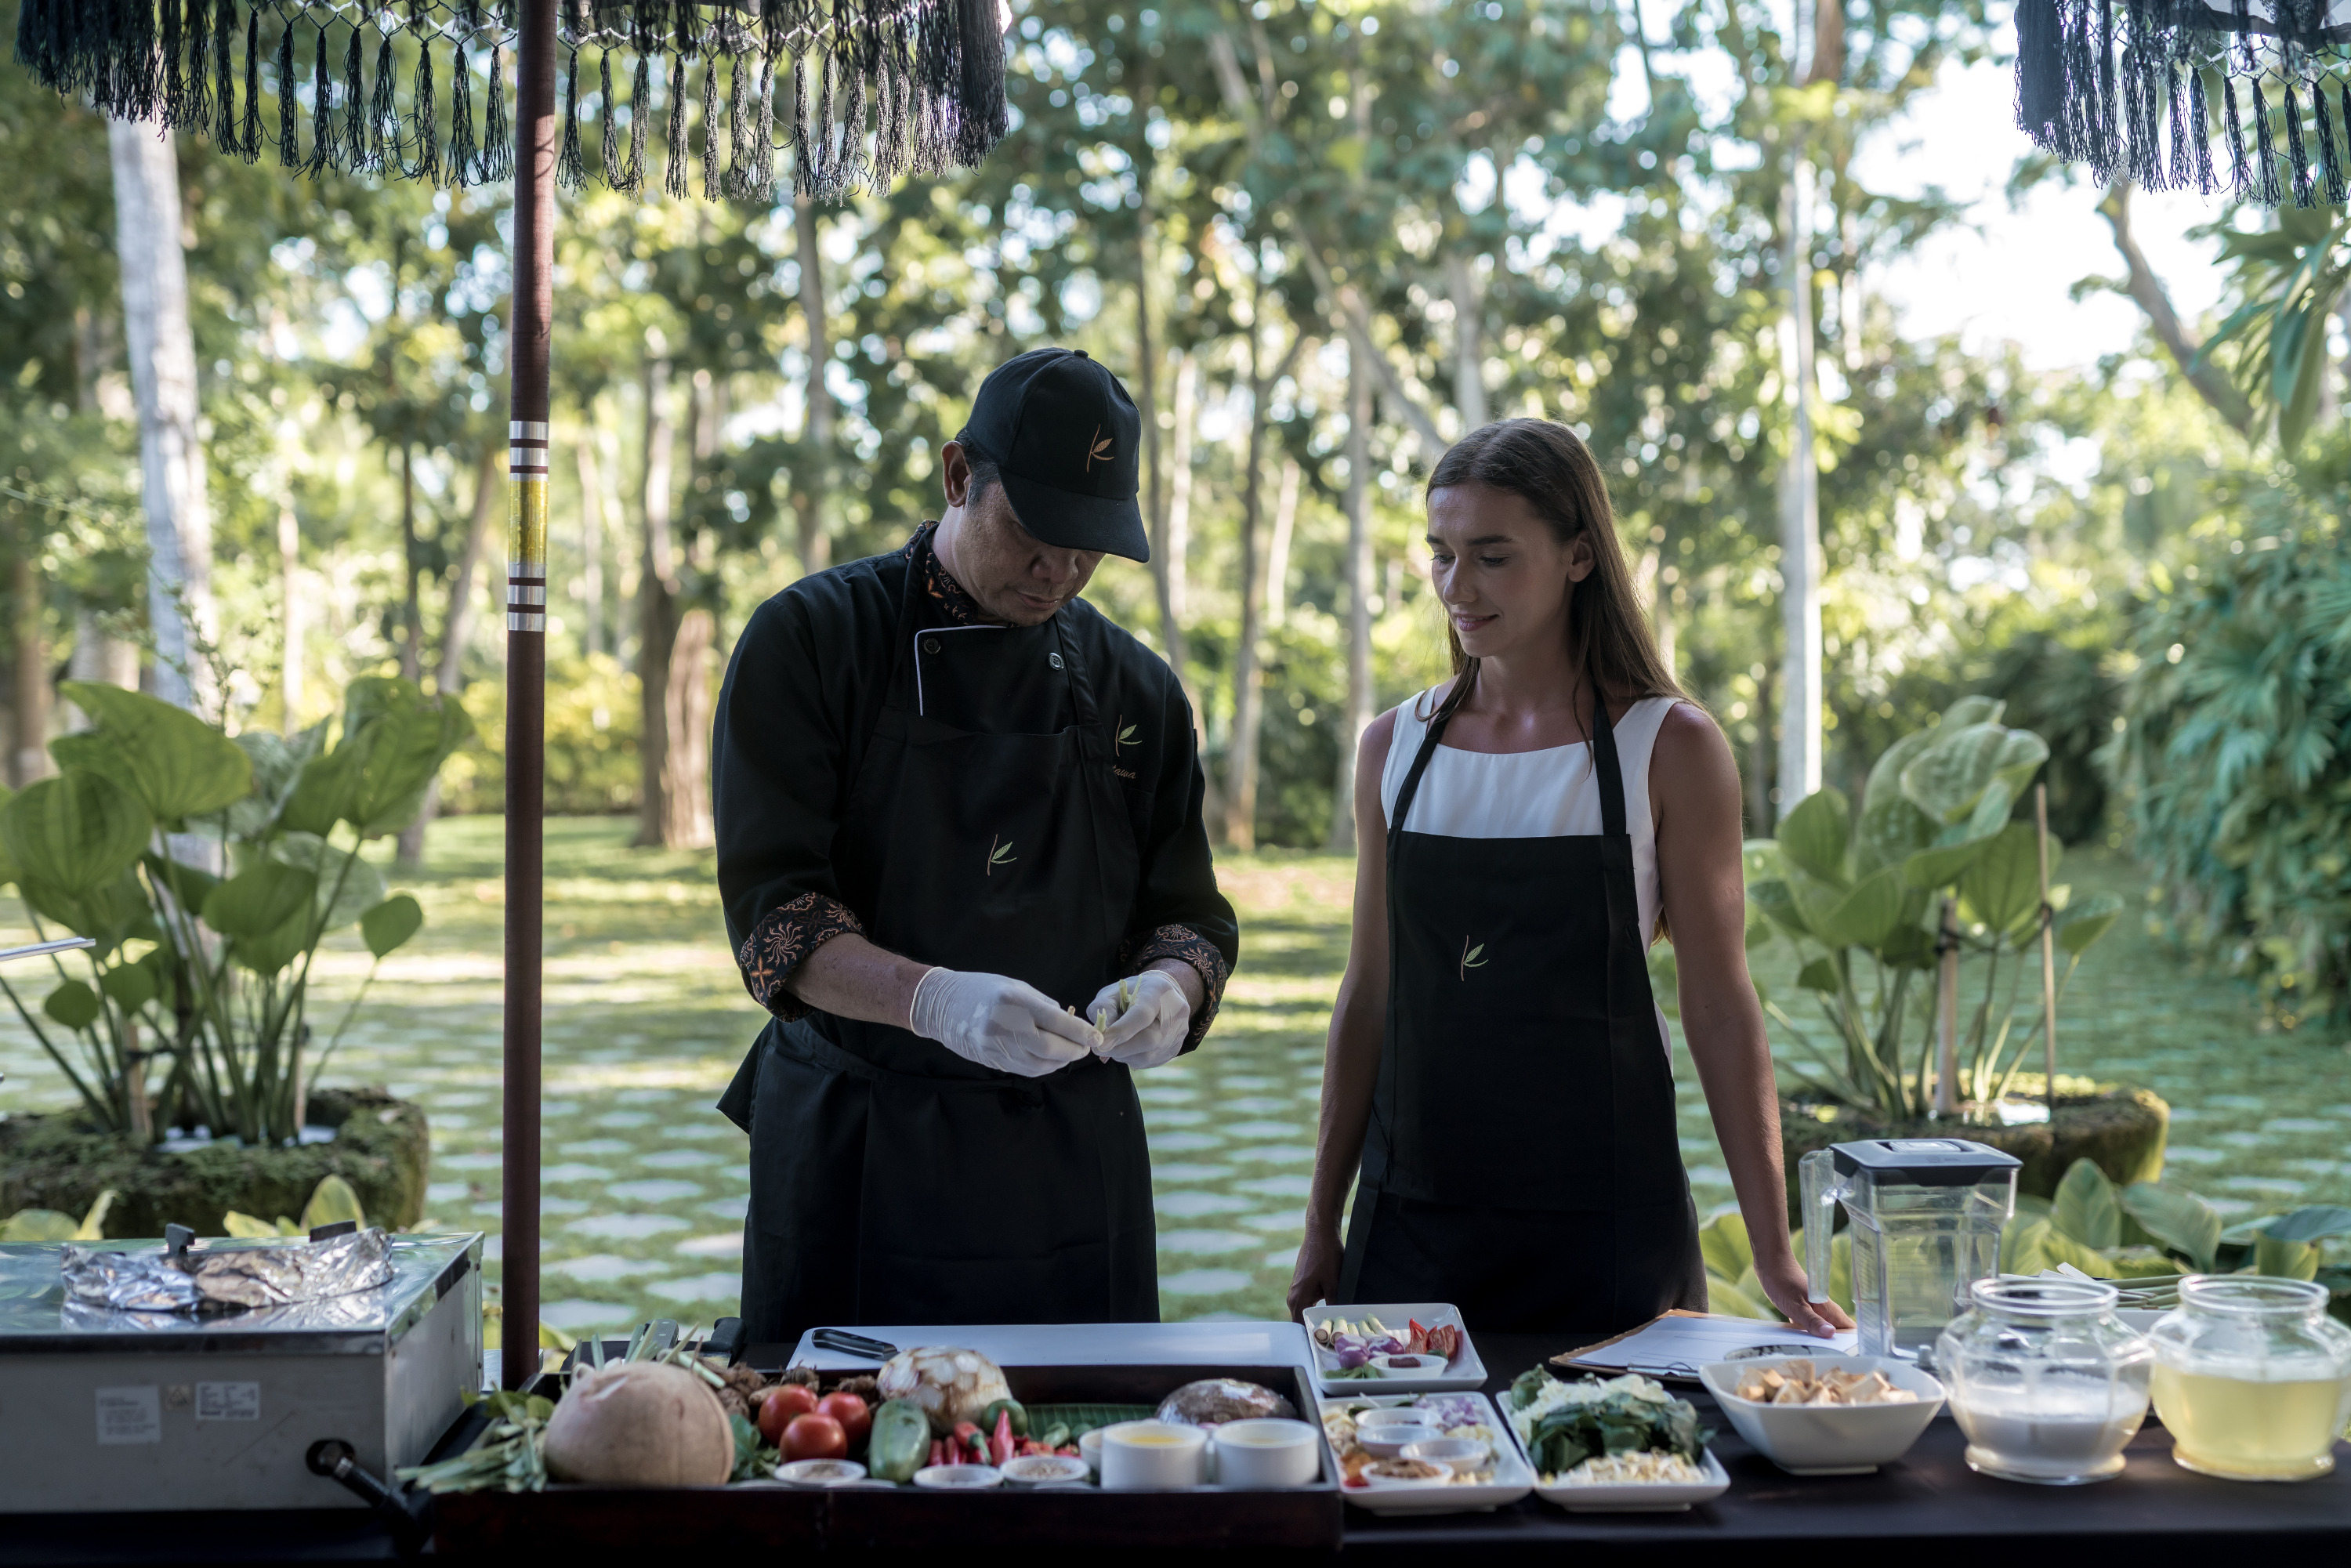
(959, 1477)
(1089, 1450)
(1467, 1455)
(1398, 1483)
(820, 1472)
(1154, 1455)
(1045, 1469)
(1385, 1433)
(1268, 1452)
(1828, 1439)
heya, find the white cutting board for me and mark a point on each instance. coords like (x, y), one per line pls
(1251, 1343)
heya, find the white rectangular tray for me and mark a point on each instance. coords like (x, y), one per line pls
(1512, 1479)
(1639, 1497)
(1466, 1374)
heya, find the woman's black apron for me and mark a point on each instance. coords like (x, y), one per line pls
(1522, 1160)
(891, 1181)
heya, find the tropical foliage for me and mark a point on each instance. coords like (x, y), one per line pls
(206, 870)
(2235, 752)
(1861, 903)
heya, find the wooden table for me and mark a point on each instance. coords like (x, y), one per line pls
(1929, 1508)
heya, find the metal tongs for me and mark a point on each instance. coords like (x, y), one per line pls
(841, 1342)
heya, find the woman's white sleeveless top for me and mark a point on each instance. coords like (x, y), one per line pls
(1550, 793)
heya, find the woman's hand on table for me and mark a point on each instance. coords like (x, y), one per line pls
(1783, 1282)
(1316, 1278)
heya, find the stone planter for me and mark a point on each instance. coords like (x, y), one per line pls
(382, 1147)
(2121, 1129)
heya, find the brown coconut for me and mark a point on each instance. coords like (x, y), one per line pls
(640, 1423)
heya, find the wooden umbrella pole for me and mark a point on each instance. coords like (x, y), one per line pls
(1947, 1012)
(527, 476)
(2048, 954)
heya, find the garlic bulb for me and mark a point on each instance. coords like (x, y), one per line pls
(947, 1384)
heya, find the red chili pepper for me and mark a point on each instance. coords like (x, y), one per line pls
(938, 1451)
(999, 1442)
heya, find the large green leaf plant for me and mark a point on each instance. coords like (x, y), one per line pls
(206, 974)
(2145, 1235)
(1859, 901)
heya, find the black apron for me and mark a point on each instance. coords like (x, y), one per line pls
(1522, 1160)
(891, 1181)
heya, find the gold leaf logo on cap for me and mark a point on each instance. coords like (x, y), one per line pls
(1098, 447)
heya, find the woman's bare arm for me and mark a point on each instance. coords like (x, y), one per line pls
(1350, 1058)
(1694, 802)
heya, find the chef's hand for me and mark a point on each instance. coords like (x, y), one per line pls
(1151, 1030)
(997, 1021)
(1783, 1278)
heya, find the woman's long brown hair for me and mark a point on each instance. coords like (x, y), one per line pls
(1546, 465)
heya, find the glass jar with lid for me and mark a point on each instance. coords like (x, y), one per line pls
(2047, 1384)
(2252, 1377)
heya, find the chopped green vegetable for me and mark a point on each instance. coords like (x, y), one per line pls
(1622, 1423)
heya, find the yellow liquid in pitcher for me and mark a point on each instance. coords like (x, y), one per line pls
(2249, 1429)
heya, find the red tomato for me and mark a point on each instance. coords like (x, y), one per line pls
(847, 1409)
(815, 1437)
(783, 1403)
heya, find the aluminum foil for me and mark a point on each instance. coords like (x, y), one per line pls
(230, 1276)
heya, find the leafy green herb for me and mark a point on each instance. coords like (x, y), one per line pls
(1622, 1423)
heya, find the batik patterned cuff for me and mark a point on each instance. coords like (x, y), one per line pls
(1183, 942)
(782, 941)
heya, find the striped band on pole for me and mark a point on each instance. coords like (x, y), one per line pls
(527, 460)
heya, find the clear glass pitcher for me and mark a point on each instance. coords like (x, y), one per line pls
(2252, 1379)
(1926, 1215)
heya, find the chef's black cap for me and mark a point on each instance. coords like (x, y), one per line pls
(1066, 441)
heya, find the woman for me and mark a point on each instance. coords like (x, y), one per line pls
(1497, 1065)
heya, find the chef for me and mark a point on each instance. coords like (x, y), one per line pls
(959, 820)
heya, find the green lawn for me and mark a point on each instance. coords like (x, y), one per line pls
(646, 1020)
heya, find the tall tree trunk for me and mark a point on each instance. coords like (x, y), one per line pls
(31, 758)
(289, 590)
(1800, 522)
(686, 754)
(1249, 672)
(1276, 557)
(1165, 567)
(411, 605)
(163, 354)
(1179, 488)
(812, 493)
(457, 633)
(1359, 599)
(1760, 815)
(592, 543)
(656, 611)
(1469, 345)
(686, 821)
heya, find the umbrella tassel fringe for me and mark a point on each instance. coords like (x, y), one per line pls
(289, 138)
(2330, 156)
(464, 166)
(2305, 194)
(322, 109)
(426, 120)
(2265, 149)
(571, 168)
(674, 176)
(713, 178)
(248, 144)
(497, 137)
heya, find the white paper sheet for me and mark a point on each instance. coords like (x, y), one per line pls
(1678, 1346)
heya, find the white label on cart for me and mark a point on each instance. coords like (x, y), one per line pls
(130, 1415)
(228, 1402)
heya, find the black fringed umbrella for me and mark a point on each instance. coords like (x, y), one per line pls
(2140, 88)
(878, 88)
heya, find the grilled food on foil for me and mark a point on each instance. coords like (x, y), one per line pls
(228, 1278)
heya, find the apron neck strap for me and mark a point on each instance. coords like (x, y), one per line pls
(1606, 771)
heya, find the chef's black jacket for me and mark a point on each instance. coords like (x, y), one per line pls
(794, 718)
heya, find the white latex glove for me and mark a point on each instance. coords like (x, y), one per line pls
(997, 1021)
(1151, 1030)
